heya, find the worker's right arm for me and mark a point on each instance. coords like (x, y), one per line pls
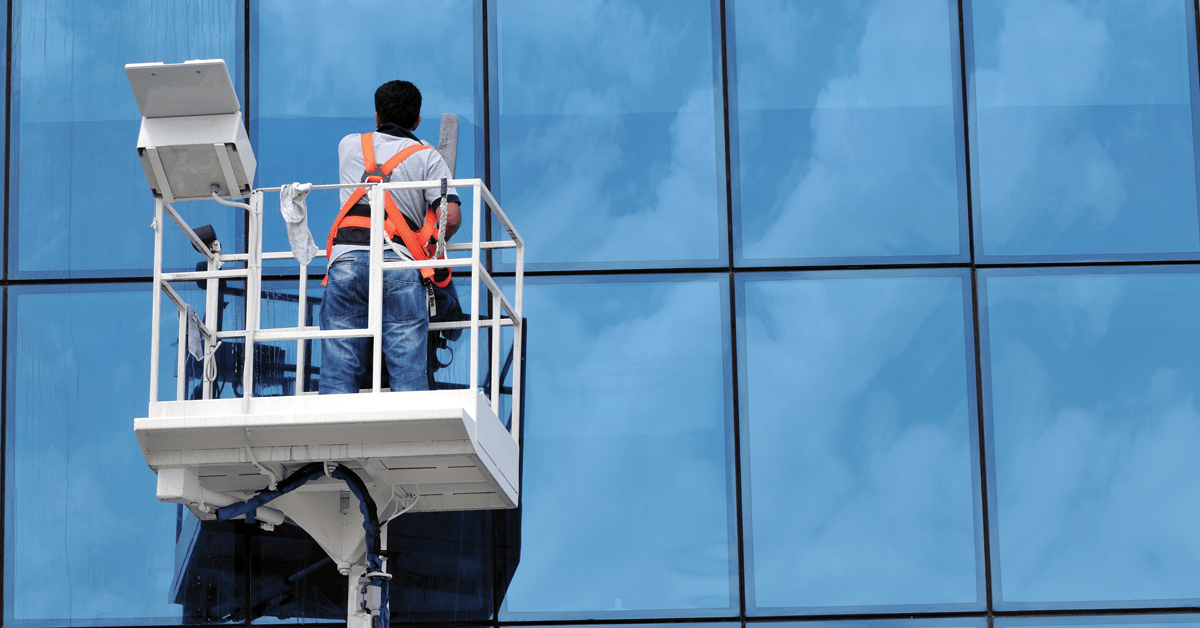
(438, 170)
(453, 218)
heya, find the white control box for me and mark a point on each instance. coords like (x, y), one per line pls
(192, 134)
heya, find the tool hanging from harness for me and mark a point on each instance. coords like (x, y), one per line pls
(354, 218)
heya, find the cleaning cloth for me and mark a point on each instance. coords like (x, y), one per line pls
(295, 213)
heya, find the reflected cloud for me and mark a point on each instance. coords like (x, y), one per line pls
(1095, 420)
(597, 57)
(72, 53)
(1049, 52)
(1056, 173)
(81, 498)
(587, 204)
(860, 457)
(75, 122)
(625, 462)
(610, 158)
(879, 176)
(319, 69)
(330, 67)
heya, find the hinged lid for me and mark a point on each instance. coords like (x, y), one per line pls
(200, 87)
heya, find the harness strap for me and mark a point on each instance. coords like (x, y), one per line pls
(368, 146)
(394, 222)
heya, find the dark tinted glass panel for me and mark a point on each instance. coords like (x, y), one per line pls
(295, 581)
(1092, 380)
(859, 462)
(608, 134)
(82, 204)
(86, 541)
(275, 373)
(846, 129)
(627, 493)
(168, 354)
(316, 74)
(442, 569)
(1084, 140)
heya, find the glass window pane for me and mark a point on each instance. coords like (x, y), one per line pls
(1177, 621)
(1084, 139)
(87, 543)
(648, 625)
(627, 492)
(4, 134)
(847, 116)
(82, 207)
(316, 74)
(610, 140)
(859, 452)
(1090, 391)
(957, 622)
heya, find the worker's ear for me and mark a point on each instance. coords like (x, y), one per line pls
(416, 124)
(376, 119)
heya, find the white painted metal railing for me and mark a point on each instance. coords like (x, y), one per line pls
(504, 313)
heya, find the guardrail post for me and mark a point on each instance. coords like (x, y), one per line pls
(476, 268)
(156, 298)
(181, 359)
(253, 294)
(301, 309)
(211, 299)
(375, 287)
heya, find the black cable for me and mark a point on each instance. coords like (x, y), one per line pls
(366, 505)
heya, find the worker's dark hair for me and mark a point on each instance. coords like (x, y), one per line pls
(398, 102)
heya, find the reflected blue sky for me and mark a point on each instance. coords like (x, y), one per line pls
(857, 390)
(76, 125)
(80, 509)
(965, 622)
(1084, 127)
(626, 491)
(846, 131)
(608, 152)
(858, 419)
(1177, 621)
(317, 72)
(1092, 380)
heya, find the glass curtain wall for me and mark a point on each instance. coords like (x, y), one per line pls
(861, 314)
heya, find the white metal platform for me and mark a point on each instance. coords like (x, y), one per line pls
(417, 452)
(448, 446)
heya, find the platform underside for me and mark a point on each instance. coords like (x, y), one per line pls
(448, 447)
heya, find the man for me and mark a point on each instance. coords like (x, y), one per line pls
(405, 311)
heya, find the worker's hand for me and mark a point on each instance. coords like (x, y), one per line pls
(453, 219)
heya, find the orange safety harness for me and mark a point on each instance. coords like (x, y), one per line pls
(423, 243)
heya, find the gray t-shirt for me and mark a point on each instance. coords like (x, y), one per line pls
(425, 165)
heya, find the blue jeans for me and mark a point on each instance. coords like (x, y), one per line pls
(405, 326)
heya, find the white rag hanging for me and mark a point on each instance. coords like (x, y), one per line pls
(295, 213)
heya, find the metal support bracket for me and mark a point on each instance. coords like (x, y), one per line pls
(164, 186)
(235, 190)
